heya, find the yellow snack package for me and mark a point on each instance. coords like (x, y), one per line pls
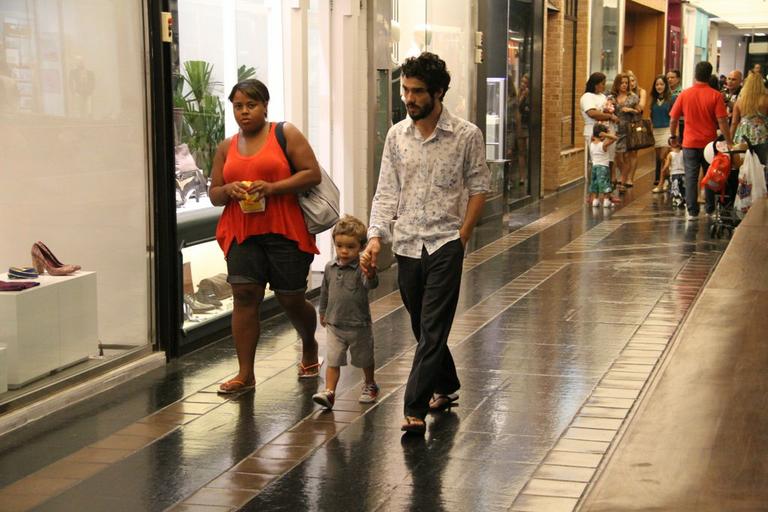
(253, 203)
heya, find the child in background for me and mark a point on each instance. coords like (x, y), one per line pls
(600, 185)
(345, 312)
(674, 165)
(610, 108)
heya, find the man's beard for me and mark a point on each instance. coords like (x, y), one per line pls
(423, 112)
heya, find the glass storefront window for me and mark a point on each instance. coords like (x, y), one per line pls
(219, 44)
(73, 122)
(443, 27)
(519, 59)
(494, 118)
(605, 51)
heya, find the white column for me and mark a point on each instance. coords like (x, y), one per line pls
(349, 95)
(229, 58)
(322, 142)
(295, 68)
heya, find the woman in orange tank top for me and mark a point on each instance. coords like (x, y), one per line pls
(266, 241)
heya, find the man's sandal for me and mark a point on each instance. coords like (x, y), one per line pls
(440, 402)
(234, 386)
(310, 371)
(414, 425)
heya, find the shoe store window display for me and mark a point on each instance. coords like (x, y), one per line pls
(43, 260)
(190, 180)
(346, 313)
(262, 230)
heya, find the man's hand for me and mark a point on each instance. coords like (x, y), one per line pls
(322, 320)
(368, 258)
(464, 235)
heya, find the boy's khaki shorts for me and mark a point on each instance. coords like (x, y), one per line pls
(359, 341)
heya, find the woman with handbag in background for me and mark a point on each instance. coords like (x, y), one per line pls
(262, 229)
(626, 103)
(750, 113)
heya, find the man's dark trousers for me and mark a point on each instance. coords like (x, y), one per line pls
(430, 290)
(693, 160)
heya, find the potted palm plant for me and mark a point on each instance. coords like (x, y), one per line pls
(201, 112)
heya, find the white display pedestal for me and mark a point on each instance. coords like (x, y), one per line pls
(48, 327)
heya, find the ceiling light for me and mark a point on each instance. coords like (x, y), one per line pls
(759, 34)
(750, 14)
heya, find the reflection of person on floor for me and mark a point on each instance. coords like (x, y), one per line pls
(524, 109)
(432, 160)
(427, 462)
(271, 246)
(345, 312)
(82, 84)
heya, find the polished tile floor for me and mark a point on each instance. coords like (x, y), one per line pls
(564, 313)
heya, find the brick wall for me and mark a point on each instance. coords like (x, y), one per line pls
(561, 166)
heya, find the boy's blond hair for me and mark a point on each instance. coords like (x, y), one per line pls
(351, 226)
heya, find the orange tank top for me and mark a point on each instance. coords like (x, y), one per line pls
(282, 214)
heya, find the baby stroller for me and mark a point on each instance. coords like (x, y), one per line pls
(722, 178)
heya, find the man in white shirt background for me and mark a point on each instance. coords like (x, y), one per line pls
(432, 161)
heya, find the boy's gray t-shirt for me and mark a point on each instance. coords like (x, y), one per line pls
(344, 294)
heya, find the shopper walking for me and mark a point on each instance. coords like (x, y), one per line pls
(661, 104)
(673, 78)
(750, 114)
(676, 86)
(674, 167)
(600, 186)
(731, 91)
(271, 246)
(345, 312)
(704, 110)
(626, 103)
(642, 103)
(593, 109)
(431, 161)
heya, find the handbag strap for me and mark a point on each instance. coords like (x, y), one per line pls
(280, 134)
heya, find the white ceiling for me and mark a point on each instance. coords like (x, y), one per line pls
(743, 14)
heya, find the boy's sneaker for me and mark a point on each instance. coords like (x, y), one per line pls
(370, 393)
(595, 202)
(656, 189)
(607, 203)
(665, 187)
(324, 398)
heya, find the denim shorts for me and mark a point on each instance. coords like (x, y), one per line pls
(269, 259)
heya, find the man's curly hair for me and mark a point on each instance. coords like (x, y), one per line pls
(430, 69)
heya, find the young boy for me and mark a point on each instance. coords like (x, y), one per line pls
(674, 165)
(345, 312)
(600, 185)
